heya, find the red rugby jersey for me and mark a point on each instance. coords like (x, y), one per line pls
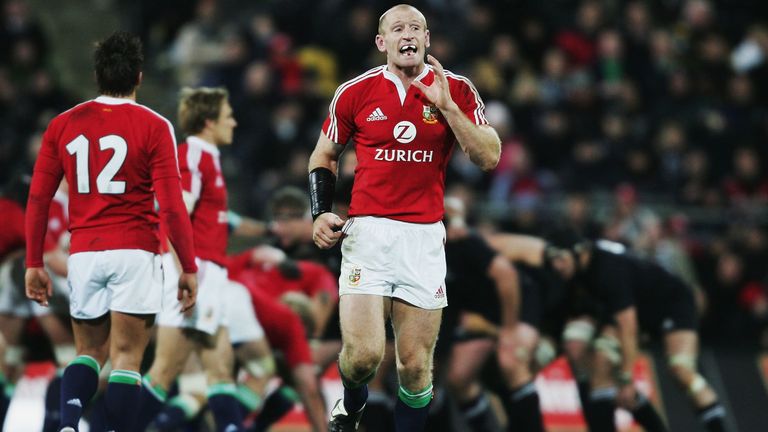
(313, 277)
(12, 232)
(201, 178)
(58, 220)
(111, 151)
(402, 142)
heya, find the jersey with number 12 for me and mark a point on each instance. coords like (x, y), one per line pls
(110, 151)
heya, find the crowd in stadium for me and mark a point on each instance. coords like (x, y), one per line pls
(640, 122)
(658, 105)
(643, 120)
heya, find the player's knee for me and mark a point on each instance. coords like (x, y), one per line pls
(683, 368)
(261, 368)
(545, 353)
(577, 338)
(362, 359)
(608, 349)
(308, 385)
(218, 373)
(360, 367)
(14, 356)
(414, 369)
(164, 372)
(101, 354)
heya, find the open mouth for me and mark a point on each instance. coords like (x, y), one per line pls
(408, 50)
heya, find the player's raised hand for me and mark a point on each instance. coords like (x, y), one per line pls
(187, 295)
(38, 285)
(326, 230)
(438, 92)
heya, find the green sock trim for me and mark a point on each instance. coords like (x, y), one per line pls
(155, 390)
(221, 389)
(249, 398)
(124, 377)
(87, 361)
(290, 393)
(350, 384)
(419, 399)
(181, 402)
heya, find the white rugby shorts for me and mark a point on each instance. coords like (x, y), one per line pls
(121, 280)
(208, 313)
(391, 258)
(239, 315)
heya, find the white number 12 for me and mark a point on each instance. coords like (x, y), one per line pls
(104, 183)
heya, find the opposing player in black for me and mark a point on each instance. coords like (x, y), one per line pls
(635, 295)
(486, 286)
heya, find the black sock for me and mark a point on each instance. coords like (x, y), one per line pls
(355, 394)
(5, 402)
(152, 401)
(276, 405)
(52, 401)
(584, 389)
(602, 410)
(78, 385)
(378, 413)
(646, 416)
(522, 406)
(479, 415)
(224, 406)
(713, 417)
(123, 397)
(97, 413)
(409, 419)
(172, 417)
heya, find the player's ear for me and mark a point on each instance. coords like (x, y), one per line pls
(141, 78)
(380, 45)
(426, 39)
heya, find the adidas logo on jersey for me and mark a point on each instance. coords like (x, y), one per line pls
(75, 402)
(376, 115)
(440, 293)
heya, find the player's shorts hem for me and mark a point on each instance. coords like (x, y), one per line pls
(208, 314)
(89, 317)
(131, 312)
(186, 324)
(419, 304)
(409, 300)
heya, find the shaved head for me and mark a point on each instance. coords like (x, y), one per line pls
(383, 17)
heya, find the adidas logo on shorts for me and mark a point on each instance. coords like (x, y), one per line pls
(440, 293)
(376, 115)
(75, 402)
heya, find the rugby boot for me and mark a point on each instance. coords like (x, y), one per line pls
(343, 422)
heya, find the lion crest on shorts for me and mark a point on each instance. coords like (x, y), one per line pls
(354, 277)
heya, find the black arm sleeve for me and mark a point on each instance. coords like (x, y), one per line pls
(322, 185)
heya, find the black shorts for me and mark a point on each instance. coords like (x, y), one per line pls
(531, 302)
(667, 315)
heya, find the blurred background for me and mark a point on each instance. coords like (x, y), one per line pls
(644, 122)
